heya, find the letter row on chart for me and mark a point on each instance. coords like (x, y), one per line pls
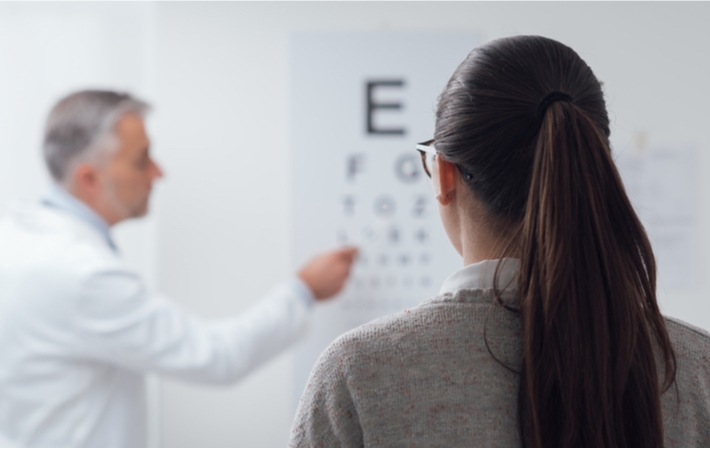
(375, 281)
(386, 205)
(378, 306)
(391, 235)
(401, 259)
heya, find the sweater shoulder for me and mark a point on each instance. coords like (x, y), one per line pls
(387, 331)
(689, 340)
(686, 405)
(448, 323)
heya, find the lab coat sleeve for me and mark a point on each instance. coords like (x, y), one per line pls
(118, 322)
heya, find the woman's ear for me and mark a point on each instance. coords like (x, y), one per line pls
(445, 182)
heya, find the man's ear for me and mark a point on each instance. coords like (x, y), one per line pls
(85, 179)
(446, 180)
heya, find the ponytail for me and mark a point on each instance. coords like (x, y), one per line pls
(526, 118)
(587, 298)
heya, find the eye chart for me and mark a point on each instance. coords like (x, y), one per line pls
(361, 101)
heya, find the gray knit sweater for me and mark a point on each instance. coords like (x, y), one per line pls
(424, 377)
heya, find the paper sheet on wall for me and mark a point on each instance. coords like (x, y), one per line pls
(663, 183)
(361, 101)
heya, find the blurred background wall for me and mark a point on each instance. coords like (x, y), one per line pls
(218, 237)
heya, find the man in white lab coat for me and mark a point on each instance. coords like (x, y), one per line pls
(78, 328)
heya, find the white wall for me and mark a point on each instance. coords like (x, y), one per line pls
(218, 74)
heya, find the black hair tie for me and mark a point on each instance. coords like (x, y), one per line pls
(552, 97)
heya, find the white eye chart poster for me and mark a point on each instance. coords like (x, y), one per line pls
(361, 101)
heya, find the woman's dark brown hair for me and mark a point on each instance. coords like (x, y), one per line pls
(587, 283)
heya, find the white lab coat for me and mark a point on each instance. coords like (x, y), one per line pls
(78, 331)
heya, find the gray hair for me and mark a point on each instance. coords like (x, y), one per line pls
(80, 128)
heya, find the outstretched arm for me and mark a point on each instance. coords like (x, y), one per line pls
(118, 322)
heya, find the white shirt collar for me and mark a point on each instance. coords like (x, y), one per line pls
(58, 197)
(481, 276)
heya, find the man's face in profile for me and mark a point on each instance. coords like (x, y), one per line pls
(130, 172)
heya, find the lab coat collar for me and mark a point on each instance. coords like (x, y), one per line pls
(481, 276)
(58, 197)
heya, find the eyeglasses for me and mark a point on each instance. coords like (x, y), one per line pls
(428, 153)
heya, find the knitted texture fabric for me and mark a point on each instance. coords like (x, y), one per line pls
(436, 376)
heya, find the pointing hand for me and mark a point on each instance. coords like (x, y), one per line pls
(326, 273)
